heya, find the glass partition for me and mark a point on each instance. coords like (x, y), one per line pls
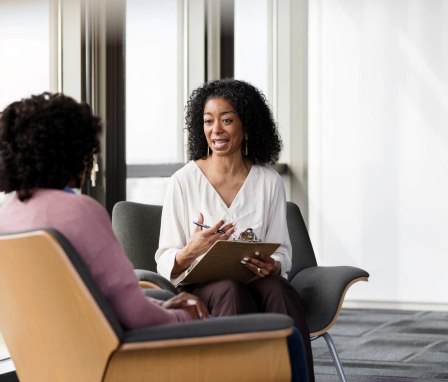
(152, 92)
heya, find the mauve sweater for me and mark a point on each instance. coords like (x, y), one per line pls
(86, 224)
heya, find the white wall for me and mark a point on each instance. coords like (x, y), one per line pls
(378, 142)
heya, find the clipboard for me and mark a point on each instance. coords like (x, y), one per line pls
(223, 261)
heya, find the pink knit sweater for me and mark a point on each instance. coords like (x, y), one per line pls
(86, 224)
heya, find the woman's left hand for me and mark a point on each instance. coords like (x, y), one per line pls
(188, 302)
(262, 265)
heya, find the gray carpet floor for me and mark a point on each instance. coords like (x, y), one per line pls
(386, 346)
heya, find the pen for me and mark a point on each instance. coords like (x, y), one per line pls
(207, 226)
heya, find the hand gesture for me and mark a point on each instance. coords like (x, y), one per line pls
(200, 242)
(203, 238)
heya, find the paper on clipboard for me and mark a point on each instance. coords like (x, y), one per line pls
(223, 261)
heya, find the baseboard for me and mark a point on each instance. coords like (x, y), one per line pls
(395, 305)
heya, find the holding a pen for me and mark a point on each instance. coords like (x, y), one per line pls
(202, 238)
(207, 226)
(216, 231)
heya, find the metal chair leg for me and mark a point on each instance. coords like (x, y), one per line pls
(334, 355)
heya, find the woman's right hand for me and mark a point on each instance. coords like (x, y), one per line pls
(203, 238)
(200, 242)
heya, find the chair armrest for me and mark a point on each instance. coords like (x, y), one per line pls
(322, 290)
(159, 294)
(155, 278)
(218, 326)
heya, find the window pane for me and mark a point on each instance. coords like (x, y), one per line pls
(152, 82)
(25, 47)
(252, 42)
(146, 190)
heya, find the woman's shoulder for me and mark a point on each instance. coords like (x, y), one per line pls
(267, 172)
(89, 207)
(87, 201)
(186, 172)
(76, 204)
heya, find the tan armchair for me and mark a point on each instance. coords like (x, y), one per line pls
(59, 327)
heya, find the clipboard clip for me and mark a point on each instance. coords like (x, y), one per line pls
(248, 235)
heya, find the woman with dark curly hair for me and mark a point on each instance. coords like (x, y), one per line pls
(47, 143)
(229, 184)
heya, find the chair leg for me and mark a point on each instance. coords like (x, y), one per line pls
(334, 355)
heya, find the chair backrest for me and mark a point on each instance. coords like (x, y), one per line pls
(137, 227)
(56, 324)
(302, 250)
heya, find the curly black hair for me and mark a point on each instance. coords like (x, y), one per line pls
(264, 143)
(45, 141)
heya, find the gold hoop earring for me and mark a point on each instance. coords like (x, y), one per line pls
(208, 150)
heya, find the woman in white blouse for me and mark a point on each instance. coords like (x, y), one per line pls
(230, 186)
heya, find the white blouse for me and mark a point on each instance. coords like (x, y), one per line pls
(260, 204)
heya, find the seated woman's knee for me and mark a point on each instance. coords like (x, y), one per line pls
(229, 297)
(229, 288)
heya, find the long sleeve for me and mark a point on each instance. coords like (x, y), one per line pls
(277, 230)
(86, 224)
(172, 229)
(116, 279)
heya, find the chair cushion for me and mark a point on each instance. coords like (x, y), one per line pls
(247, 323)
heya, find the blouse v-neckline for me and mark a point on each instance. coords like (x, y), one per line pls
(217, 193)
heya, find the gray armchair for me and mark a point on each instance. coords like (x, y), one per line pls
(322, 289)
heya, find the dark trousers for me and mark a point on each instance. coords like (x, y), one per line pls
(271, 294)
